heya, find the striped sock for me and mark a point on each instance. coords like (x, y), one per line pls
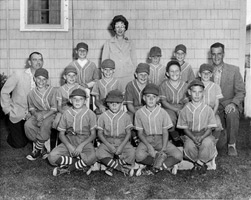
(39, 145)
(79, 164)
(122, 162)
(66, 160)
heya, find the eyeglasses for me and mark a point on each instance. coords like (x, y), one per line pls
(119, 27)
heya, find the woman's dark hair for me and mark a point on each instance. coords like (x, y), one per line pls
(119, 18)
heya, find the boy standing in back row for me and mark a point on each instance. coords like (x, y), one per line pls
(187, 73)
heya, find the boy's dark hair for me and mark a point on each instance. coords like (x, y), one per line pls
(217, 45)
(170, 63)
(119, 18)
(35, 52)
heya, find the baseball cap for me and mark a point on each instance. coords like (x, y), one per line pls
(78, 92)
(69, 69)
(114, 96)
(181, 47)
(82, 45)
(41, 72)
(155, 51)
(196, 82)
(151, 89)
(170, 63)
(205, 67)
(108, 63)
(143, 67)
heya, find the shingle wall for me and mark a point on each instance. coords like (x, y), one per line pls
(165, 23)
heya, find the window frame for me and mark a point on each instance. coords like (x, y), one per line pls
(63, 26)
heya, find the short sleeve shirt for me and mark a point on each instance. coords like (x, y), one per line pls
(187, 74)
(82, 122)
(41, 102)
(114, 124)
(173, 95)
(196, 118)
(102, 87)
(157, 73)
(212, 92)
(153, 122)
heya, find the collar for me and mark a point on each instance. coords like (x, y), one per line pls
(114, 39)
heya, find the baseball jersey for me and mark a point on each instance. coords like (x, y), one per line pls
(212, 92)
(82, 122)
(196, 118)
(173, 95)
(114, 124)
(152, 122)
(64, 92)
(88, 73)
(133, 94)
(187, 73)
(102, 87)
(157, 73)
(41, 102)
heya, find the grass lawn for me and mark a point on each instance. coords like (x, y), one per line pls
(24, 179)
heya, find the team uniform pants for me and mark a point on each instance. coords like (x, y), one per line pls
(128, 153)
(87, 155)
(35, 132)
(205, 152)
(156, 141)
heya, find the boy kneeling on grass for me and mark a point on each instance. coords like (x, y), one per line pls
(114, 131)
(152, 123)
(198, 119)
(77, 131)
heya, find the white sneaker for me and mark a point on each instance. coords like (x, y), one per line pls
(211, 165)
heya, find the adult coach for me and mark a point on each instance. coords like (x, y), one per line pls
(121, 50)
(14, 99)
(233, 90)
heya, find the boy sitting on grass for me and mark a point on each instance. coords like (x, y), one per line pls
(152, 123)
(77, 130)
(114, 131)
(198, 119)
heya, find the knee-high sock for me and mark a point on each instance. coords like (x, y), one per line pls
(149, 160)
(66, 160)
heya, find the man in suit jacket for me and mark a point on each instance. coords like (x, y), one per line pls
(233, 90)
(14, 99)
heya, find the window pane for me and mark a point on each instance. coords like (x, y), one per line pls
(44, 11)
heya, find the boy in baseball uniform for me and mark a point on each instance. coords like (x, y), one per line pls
(198, 120)
(105, 85)
(157, 70)
(187, 73)
(152, 123)
(133, 94)
(173, 97)
(42, 106)
(77, 130)
(212, 94)
(87, 71)
(63, 93)
(114, 131)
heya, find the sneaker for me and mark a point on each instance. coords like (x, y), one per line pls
(34, 155)
(109, 171)
(174, 170)
(125, 171)
(60, 170)
(147, 171)
(232, 151)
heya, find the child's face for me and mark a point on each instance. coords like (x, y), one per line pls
(78, 102)
(205, 75)
(41, 81)
(120, 28)
(150, 100)
(180, 55)
(108, 72)
(82, 53)
(114, 106)
(142, 77)
(70, 78)
(155, 60)
(196, 93)
(174, 72)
